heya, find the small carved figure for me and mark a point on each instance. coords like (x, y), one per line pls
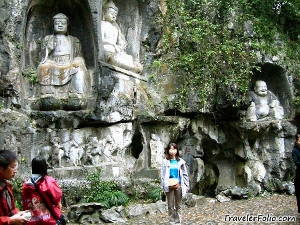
(264, 104)
(63, 70)
(76, 154)
(114, 42)
(154, 151)
(89, 146)
(108, 148)
(58, 151)
(93, 151)
(10, 143)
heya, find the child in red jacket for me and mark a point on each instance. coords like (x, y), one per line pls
(48, 195)
(9, 214)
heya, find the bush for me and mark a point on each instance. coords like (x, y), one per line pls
(106, 192)
(155, 194)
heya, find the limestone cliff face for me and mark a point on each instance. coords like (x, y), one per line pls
(128, 120)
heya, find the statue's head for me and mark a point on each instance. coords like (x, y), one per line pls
(61, 22)
(110, 5)
(110, 11)
(261, 88)
(60, 16)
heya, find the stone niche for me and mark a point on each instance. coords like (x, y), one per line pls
(277, 82)
(39, 24)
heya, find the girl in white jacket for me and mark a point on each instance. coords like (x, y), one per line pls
(174, 182)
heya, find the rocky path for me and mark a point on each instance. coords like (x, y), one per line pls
(275, 209)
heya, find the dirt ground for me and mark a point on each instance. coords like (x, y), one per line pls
(273, 209)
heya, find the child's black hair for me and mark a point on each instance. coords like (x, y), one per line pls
(7, 157)
(39, 165)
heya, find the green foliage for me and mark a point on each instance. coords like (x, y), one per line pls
(152, 76)
(17, 190)
(155, 194)
(103, 191)
(206, 42)
(156, 64)
(31, 74)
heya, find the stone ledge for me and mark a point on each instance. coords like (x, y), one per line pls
(121, 70)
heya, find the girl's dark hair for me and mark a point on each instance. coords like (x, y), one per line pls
(39, 165)
(6, 158)
(167, 151)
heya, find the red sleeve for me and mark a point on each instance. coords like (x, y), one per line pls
(4, 218)
(51, 189)
(15, 210)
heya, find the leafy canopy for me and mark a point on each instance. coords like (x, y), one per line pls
(207, 42)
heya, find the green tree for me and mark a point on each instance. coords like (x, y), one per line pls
(206, 42)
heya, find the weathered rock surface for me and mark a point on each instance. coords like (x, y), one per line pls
(129, 120)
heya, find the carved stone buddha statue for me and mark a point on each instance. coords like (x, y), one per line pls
(114, 42)
(62, 72)
(264, 104)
